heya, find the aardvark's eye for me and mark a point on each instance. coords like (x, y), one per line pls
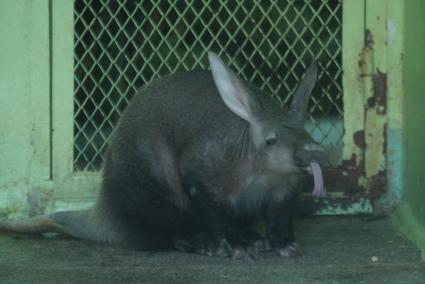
(271, 139)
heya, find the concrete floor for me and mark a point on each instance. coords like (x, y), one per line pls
(336, 250)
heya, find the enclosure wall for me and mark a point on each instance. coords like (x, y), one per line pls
(411, 217)
(24, 106)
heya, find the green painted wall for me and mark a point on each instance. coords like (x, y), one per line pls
(414, 76)
(411, 215)
(24, 106)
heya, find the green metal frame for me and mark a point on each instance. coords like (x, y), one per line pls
(79, 188)
(352, 44)
(72, 189)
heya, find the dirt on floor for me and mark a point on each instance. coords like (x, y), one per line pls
(336, 250)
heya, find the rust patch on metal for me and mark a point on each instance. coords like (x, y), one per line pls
(363, 64)
(384, 150)
(371, 102)
(344, 179)
(377, 185)
(364, 54)
(349, 164)
(359, 139)
(368, 39)
(379, 98)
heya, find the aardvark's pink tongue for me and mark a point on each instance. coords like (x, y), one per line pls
(319, 187)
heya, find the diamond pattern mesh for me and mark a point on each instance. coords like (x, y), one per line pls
(122, 45)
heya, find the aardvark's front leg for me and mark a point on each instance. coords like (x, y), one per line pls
(280, 212)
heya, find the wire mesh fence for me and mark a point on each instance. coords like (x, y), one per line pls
(122, 45)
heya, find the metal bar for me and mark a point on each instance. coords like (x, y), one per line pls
(62, 64)
(352, 46)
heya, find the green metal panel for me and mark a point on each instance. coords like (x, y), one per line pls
(383, 102)
(24, 107)
(70, 190)
(62, 86)
(62, 96)
(352, 43)
(376, 115)
(395, 155)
